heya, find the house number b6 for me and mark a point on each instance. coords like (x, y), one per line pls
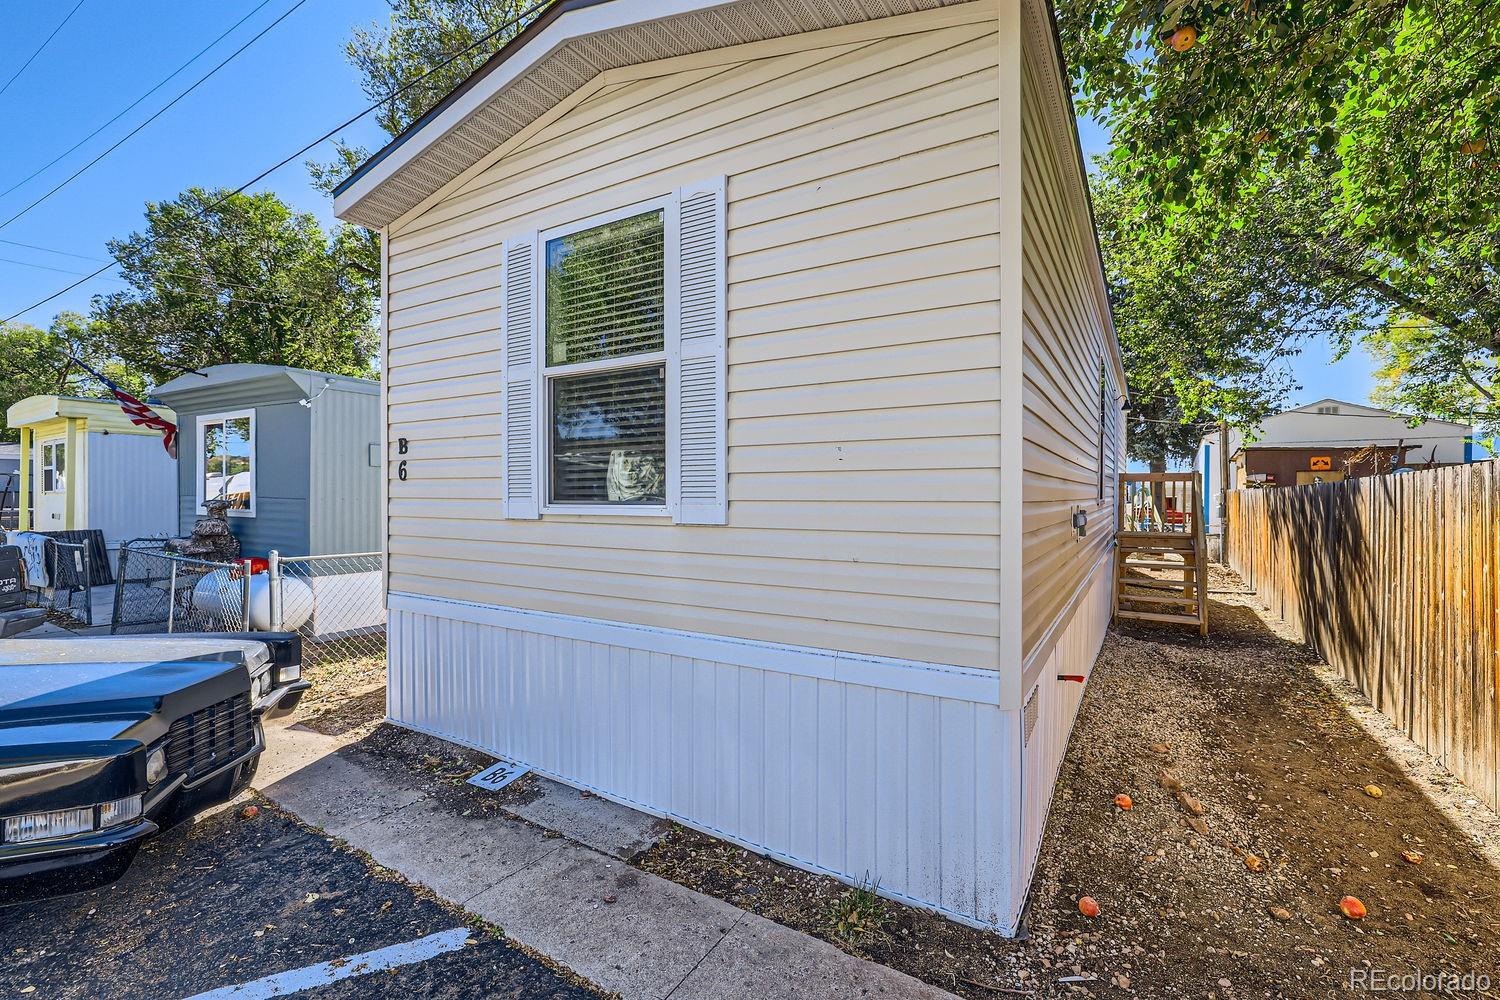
(401, 471)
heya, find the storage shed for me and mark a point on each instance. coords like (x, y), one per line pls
(296, 453)
(84, 465)
(753, 412)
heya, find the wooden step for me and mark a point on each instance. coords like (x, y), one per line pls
(1191, 602)
(1150, 584)
(1158, 564)
(1160, 541)
(1157, 616)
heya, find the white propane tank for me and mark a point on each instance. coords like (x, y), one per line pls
(209, 596)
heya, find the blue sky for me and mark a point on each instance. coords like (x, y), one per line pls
(282, 92)
(286, 89)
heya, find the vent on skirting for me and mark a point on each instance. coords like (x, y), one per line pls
(1028, 717)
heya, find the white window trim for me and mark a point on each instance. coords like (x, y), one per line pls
(217, 418)
(546, 375)
(43, 465)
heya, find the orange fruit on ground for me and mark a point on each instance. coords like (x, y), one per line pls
(1353, 908)
(1412, 857)
(249, 812)
(1088, 907)
(1124, 801)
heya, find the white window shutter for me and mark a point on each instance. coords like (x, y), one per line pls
(701, 474)
(520, 387)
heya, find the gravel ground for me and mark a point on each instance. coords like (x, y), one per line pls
(1247, 762)
(226, 899)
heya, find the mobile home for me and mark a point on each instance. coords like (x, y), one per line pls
(293, 451)
(83, 465)
(752, 413)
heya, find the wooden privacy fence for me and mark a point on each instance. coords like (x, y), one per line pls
(1393, 580)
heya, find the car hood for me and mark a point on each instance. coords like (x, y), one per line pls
(111, 682)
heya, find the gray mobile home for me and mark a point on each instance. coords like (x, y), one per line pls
(293, 451)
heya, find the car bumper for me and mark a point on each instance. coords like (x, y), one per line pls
(20, 861)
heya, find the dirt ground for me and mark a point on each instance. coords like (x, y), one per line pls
(347, 695)
(1241, 901)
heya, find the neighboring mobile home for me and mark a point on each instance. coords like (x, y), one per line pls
(753, 412)
(1324, 442)
(84, 465)
(295, 452)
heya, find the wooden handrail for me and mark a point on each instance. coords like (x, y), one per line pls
(1157, 477)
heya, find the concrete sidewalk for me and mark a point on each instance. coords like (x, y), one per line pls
(553, 876)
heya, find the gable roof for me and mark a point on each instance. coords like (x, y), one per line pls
(569, 44)
(1362, 409)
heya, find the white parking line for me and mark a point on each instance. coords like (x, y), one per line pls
(297, 980)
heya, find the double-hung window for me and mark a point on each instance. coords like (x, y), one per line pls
(613, 393)
(54, 467)
(226, 460)
(605, 365)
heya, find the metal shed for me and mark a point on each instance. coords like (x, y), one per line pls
(295, 451)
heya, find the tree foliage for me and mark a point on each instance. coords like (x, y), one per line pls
(245, 281)
(36, 362)
(1370, 126)
(1207, 316)
(419, 36)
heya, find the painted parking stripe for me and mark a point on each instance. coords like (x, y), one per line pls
(285, 983)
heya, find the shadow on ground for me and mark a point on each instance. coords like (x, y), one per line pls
(1248, 903)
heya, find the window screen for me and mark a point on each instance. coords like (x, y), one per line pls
(605, 354)
(606, 291)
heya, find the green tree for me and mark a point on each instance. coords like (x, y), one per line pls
(1206, 315)
(218, 279)
(1368, 127)
(420, 35)
(36, 362)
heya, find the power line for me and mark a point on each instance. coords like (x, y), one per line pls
(164, 81)
(64, 253)
(43, 267)
(534, 8)
(45, 42)
(161, 111)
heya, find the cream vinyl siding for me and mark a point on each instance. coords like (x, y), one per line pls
(863, 327)
(1064, 340)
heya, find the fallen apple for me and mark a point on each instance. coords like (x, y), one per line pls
(1353, 908)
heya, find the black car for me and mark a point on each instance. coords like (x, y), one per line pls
(105, 741)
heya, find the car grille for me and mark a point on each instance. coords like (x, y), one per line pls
(211, 737)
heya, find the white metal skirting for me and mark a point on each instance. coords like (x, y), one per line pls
(917, 790)
(1056, 707)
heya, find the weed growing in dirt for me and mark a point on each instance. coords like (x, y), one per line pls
(858, 915)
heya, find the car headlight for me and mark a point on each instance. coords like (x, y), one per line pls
(156, 765)
(47, 825)
(119, 811)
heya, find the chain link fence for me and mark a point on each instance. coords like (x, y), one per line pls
(335, 602)
(160, 591)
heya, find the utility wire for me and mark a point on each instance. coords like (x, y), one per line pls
(161, 111)
(164, 81)
(64, 253)
(45, 42)
(534, 8)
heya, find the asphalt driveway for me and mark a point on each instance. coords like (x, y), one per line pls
(228, 901)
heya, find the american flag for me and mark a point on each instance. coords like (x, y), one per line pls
(139, 413)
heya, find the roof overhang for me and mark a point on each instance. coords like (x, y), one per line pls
(568, 45)
(104, 413)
